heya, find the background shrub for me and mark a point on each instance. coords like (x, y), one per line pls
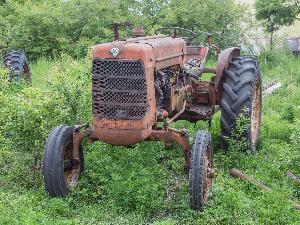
(51, 27)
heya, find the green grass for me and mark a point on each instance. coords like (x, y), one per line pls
(147, 185)
(39, 72)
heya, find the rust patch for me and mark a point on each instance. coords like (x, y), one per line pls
(196, 52)
(223, 61)
(72, 162)
(255, 112)
(130, 130)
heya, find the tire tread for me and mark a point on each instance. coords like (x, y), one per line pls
(238, 85)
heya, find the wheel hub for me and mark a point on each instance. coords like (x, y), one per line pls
(71, 167)
(209, 173)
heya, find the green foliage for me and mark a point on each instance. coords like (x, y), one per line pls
(49, 28)
(295, 136)
(145, 184)
(121, 178)
(222, 17)
(71, 80)
(238, 140)
(25, 125)
(27, 114)
(275, 14)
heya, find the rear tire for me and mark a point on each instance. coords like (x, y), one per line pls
(242, 90)
(200, 172)
(60, 171)
(17, 63)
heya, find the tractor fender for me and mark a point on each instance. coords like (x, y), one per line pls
(223, 61)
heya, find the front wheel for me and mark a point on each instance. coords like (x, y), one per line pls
(61, 172)
(201, 172)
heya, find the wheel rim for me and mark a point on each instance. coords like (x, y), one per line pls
(208, 173)
(255, 112)
(71, 166)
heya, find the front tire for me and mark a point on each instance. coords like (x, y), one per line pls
(60, 171)
(242, 95)
(201, 170)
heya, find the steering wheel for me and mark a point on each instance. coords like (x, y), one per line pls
(191, 36)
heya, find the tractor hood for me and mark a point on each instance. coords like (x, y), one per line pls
(155, 51)
(124, 104)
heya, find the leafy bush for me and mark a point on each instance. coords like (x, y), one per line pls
(295, 136)
(71, 80)
(27, 114)
(237, 141)
(48, 28)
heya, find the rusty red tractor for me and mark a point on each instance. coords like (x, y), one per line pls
(143, 84)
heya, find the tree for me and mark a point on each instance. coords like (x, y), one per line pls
(49, 27)
(218, 17)
(276, 13)
(46, 28)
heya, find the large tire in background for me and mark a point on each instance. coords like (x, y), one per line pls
(201, 170)
(17, 63)
(242, 95)
(60, 171)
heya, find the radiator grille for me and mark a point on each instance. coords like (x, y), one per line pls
(119, 89)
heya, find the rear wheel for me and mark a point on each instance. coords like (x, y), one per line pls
(61, 172)
(200, 176)
(242, 96)
(17, 63)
